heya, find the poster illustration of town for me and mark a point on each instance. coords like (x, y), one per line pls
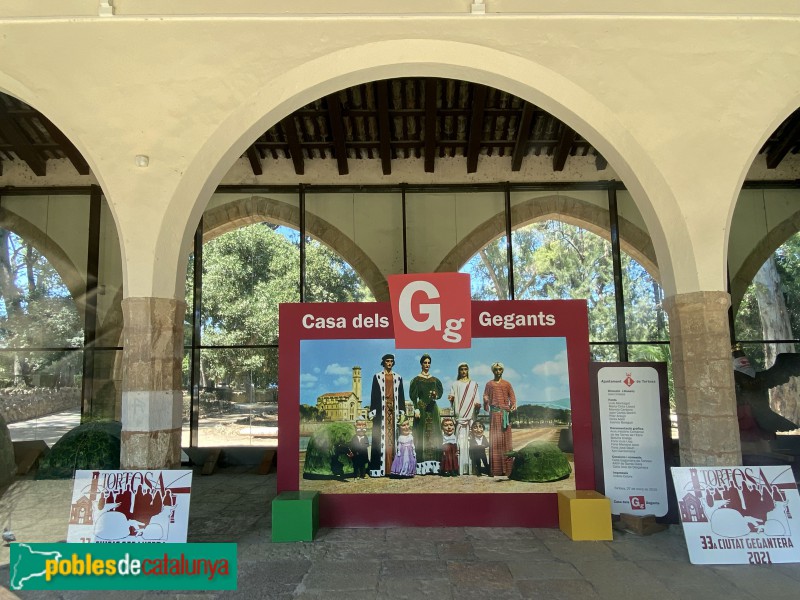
(739, 515)
(337, 381)
(130, 506)
(492, 430)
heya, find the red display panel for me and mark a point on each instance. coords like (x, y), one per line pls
(326, 348)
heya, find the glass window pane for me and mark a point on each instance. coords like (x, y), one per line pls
(41, 399)
(39, 282)
(247, 273)
(365, 230)
(238, 398)
(445, 229)
(558, 261)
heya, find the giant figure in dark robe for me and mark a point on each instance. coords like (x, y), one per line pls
(387, 405)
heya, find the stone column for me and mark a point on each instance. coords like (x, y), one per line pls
(705, 396)
(151, 383)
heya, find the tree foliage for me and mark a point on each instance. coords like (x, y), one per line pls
(555, 261)
(36, 311)
(247, 274)
(748, 321)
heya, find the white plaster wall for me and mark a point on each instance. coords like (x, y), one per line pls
(658, 93)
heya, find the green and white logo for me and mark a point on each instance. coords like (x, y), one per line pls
(122, 567)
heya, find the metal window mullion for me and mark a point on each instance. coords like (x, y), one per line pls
(613, 215)
(302, 199)
(90, 302)
(509, 249)
(197, 303)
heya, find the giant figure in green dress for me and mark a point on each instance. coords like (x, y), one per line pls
(425, 391)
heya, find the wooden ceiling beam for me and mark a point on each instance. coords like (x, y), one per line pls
(295, 150)
(430, 124)
(337, 132)
(22, 147)
(255, 160)
(476, 127)
(69, 149)
(788, 140)
(523, 135)
(384, 134)
(561, 152)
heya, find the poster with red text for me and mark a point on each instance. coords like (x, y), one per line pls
(739, 515)
(484, 435)
(114, 507)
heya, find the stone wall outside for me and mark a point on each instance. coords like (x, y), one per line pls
(22, 404)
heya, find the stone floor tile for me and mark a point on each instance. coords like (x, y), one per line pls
(560, 589)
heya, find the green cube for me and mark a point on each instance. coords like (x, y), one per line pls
(295, 516)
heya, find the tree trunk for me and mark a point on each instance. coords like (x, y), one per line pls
(776, 325)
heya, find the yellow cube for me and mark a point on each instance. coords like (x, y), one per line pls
(584, 515)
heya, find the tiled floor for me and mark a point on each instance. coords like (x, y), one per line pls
(458, 563)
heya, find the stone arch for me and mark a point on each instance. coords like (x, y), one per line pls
(255, 209)
(523, 77)
(633, 241)
(55, 255)
(762, 251)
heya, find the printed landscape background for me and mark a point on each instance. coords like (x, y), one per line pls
(535, 367)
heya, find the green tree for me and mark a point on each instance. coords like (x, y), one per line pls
(36, 310)
(247, 274)
(555, 260)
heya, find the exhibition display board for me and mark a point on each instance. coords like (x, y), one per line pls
(338, 398)
(631, 418)
(113, 507)
(739, 514)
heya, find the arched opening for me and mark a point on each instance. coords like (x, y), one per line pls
(763, 271)
(50, 201)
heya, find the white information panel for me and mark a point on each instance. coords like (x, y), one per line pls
(633, 444)
(739, 515)
(130, 506)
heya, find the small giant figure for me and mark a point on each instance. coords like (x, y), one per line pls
(359, 450)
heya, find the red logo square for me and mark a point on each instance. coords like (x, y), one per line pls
(431, 310)
(637, 502)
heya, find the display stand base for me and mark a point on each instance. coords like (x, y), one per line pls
(295, 516)
(584, 515)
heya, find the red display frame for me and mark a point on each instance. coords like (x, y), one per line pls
(569, 320)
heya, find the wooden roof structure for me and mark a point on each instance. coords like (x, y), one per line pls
(390, 120)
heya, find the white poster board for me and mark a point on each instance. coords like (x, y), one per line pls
(632, 440)
(130, 506)
(739, 515)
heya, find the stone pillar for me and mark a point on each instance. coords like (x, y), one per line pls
(705, 396)
(151, 383)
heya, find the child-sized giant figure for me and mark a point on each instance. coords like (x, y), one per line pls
(478, 445)
(387, 405)
(359, 450)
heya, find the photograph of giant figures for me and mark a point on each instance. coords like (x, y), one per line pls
(492, 418)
